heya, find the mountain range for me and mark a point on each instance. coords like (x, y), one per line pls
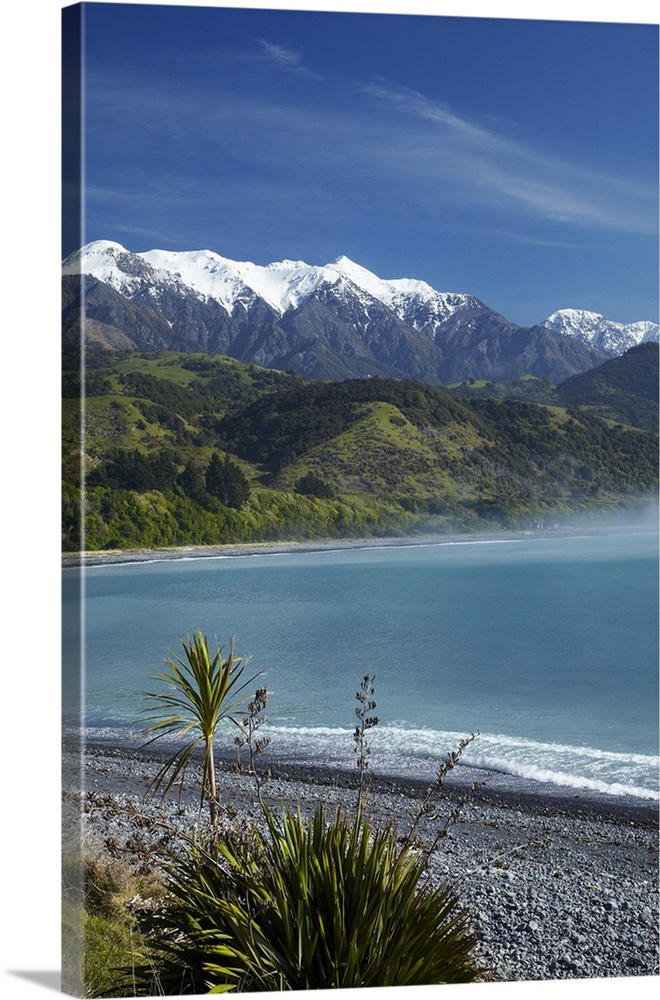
(336, 321)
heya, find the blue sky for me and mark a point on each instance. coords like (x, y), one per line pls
(514, 160)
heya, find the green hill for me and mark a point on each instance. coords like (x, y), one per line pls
(623, 389)
(415, 443)
(200, 449)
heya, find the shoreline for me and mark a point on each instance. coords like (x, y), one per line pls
(558, 887)
(560, 883)
(505, 791)
(231, 550)
(413, 772)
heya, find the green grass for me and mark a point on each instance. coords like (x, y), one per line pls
(113, 944)
(101, 941)
(166, 366)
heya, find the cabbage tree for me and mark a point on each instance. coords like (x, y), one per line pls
(202, 691)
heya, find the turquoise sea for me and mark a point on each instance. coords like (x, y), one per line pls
(547, 646)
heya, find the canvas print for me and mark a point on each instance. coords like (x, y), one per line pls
(360, 471)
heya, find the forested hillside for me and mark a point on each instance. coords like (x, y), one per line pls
(623, 389)
(198, 449)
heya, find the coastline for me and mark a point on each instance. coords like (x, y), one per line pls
(504, 791)
(128, 556)
(559, 886)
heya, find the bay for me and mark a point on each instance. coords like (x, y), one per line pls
(547, 646)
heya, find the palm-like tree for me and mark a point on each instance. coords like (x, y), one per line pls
(202, 691)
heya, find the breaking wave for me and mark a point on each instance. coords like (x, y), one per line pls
(418, 753)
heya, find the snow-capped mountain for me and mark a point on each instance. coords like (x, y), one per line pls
(284, 285)
(337, 320)
(592, 328)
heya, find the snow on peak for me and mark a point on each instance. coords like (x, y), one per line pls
(593, 328)
(283, 284)
(413, 301)
(383, 290)
(366, 281)
(95, 252)
(110, 262)
(205, 272)
(569, 318)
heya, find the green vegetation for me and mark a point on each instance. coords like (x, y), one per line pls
(624, 389)
(283, 901)
(528, 388)
(226, 481)
(101, 936)
(201, 693)
(317, 904)
(290, 903)
(186, 449)
(313, 486)
(112, 936)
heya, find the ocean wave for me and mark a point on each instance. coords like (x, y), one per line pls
(563, 779)
(419, 752)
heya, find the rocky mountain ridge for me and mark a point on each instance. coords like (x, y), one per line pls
(337, 321)
(592, 328)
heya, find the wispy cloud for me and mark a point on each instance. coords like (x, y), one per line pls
(281, 55)
(494, 169)
(535, 240)
(373, 146)
(287, 58)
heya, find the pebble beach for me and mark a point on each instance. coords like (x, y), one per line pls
(558, 886)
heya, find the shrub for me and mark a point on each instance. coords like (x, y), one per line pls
(310, 904)
(313, 486)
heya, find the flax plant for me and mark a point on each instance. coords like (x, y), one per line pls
(322, 903)
(319, 902)
(428, 809)
(203, 690)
